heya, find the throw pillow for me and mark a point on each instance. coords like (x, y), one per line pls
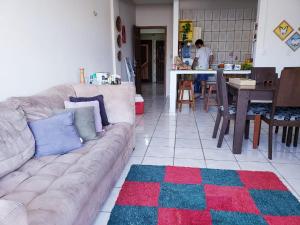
(55, 135)
(84, 122)
(94, 104)
(98, 98)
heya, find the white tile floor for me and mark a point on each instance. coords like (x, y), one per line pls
(185, 140)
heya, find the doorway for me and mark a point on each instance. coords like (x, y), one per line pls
(150, 58)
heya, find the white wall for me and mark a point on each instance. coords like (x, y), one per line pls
(213, 4)
(43, 43)
(270, 50)
(127, 13)
(159, 15)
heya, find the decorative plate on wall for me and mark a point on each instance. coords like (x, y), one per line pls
(119, 24)
(119, 41)
(283, 30)
(294, 41)
(120, 56)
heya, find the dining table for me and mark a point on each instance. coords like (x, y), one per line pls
(244, 95)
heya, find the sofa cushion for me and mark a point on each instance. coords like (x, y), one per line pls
(44, 104)
(55, 188)
(16, 140)
(119, 100)
(85, 123)
(98, 98)
(56, 135)
(94, 104)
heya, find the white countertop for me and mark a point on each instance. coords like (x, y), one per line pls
(233, 72)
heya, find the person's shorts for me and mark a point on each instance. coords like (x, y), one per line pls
(202, 77)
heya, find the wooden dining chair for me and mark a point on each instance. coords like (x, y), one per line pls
(263, 76)
(285, 110)
(228, 112)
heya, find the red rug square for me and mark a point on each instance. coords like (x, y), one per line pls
(182, 175)
(280, 220)
(139, 194)
(183, 217)
(236, 199)
(261, 181)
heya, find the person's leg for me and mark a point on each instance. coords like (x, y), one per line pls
(203, 88)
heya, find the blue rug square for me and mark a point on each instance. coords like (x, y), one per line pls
(182, 196)
(221, 177)
(236, 218)
(133, 215)
(146, 173)
(276, 203)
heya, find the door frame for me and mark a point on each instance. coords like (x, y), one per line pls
(166, 48)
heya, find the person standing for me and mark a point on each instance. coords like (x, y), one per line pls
(202, 61)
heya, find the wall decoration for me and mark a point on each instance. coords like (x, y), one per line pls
(119, 24)
(120, 56)
(294, 41)
(123, 34)
(119, 41)
(283, 30)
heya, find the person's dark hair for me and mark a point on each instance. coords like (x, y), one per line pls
(199, 42)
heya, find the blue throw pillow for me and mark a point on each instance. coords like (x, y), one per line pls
(56, 135)
(98, 98)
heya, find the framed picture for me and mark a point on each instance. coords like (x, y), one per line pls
(123, 34)
(283, 30)
(294, 41)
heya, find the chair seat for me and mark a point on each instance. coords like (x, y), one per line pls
(254, 109)
(286, 114)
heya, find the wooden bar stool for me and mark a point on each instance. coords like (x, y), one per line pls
(209, 99)
(186, 85)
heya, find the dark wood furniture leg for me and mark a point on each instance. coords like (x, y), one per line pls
(217, 124)
(257, 128)
(284, 134)
(276, 129)
(240, 121)
(289, 137)
(296, 136)
(228, 128)
(270, 146)
(223, 131)
(247, 129)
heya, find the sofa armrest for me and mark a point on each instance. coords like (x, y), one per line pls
(12, 213)
(119, 100)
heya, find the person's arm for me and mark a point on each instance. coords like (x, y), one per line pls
(194, 63)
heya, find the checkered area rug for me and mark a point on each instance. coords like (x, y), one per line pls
(159, 195)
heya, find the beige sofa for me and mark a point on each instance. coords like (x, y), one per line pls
(67, 189)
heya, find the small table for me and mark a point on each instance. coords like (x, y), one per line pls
(244, 96)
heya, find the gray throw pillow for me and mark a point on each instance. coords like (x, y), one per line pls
(84, 121)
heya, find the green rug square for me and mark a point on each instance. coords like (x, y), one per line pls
(276, 203)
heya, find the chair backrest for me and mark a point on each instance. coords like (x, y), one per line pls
(288, 88)
(264, 75)
(222, 92)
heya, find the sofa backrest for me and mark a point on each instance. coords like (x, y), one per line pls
(44, 104)
(17, 144)
(119, 100)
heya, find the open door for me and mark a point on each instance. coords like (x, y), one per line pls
(137, 57)
(160, 61)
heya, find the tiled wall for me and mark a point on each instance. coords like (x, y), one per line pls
(228, 32)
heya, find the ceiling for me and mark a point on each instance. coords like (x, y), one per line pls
(146, 2)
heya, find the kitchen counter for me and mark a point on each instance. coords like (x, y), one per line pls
(173, 81)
